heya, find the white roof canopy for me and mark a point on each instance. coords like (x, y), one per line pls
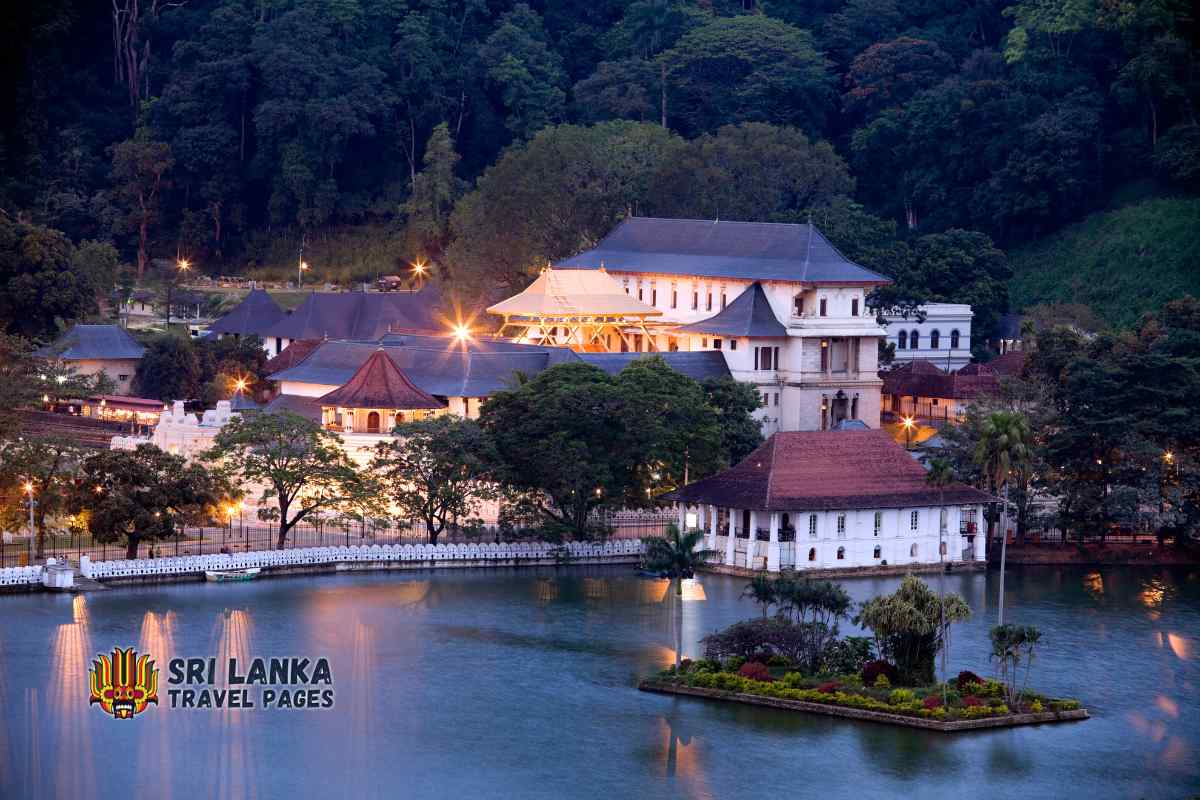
(573, 294)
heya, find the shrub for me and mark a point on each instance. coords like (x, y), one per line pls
(706, 665)
(758, 640)
(933, 701)
(685, 665)
(882, 682)
(1036, 707)
(1064, 705)
(872, 670)
(965, 677)
(901, 696)
(829, 687)
(793, 680)
(971, 701)
(847, 656)
(779, 661)
(755, 671)
(733, 663)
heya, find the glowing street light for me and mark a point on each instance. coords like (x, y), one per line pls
(28, 487)
(462, 334)
(300, 269)
(909, 423)
(240, 385)
(418, 268)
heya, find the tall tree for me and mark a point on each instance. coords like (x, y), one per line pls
(908, 626)
(435, 470)
(434, 192)
(1002, 453)
(677, 556)
(42, 469)
(735, 403)
(142, 495)
(526, 72)
(138, 169)
(300, 466)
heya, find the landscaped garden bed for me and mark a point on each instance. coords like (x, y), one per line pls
(970, 704)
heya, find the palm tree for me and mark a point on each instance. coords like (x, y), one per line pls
(676, 556)
(1002, 453)
(762, 590)
(941, 475)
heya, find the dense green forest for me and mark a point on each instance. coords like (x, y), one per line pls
(930, 138)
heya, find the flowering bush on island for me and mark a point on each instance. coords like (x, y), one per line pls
(756, 671)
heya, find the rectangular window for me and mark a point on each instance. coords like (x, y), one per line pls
(854, 307)
(716, 344)
(841, 526)
(674, 299)
(733, 344)
(812, 526)
(943, 519)
(704, 342)
(798, 305)
(878, 522)
(824, 306)
(914, 520)
(708, 305)
(774, 358)
(695, 301)
(765, 399)
(777, 398)
(654, 297)
(640, 297)
(722, 300)
(122, 377)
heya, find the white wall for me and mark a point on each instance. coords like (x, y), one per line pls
(943, 318)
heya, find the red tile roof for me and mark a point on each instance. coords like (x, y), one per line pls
(923, 379)
(379, 383)
(826, 470)
(292, 355)
(1009, 365)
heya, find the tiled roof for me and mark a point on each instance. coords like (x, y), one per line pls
(93, 342)
(826, 470)
(566, 293)
(721, 249)
(307, 407)
(920, 378)
(365, 316)
(435, 364)
(749, 314)
(292, 355)
(252, 317)
(379, 383)
(1009, 365)
(699, 365)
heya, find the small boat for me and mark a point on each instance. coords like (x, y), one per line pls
(223, 575)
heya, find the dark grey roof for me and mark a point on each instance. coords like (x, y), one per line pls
(87, 342)
(252, 317)
(851, 425)
(242, 402)
(749, 314)
(308, 407)
(698, 366)
(436, 365)
(708, 248)
(360, 315)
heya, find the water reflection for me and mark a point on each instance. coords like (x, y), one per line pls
(67, 704)
(236, 764)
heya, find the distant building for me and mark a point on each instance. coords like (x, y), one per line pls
(921, 390)
(253, 316)
(360, 316)
(784, 308)
(943, 338)
(832, 500)
(94, 349)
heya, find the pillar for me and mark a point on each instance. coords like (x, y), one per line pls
(773, 544)
(730, 552)
(752, 540)
(681, 508)
(712, 527)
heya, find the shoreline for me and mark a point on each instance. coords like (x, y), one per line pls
(864, 715)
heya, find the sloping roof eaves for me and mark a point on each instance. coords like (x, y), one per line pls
(749, 314)
(93, 342)
(724, 249)
(699, 365)
(257, 312)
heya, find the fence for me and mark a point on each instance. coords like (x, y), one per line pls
(243, 538)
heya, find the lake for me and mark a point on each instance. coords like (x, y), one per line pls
(521, 684)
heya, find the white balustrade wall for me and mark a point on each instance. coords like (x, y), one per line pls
(20, 576)
(306, 556)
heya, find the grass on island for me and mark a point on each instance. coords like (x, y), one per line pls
(968, 697)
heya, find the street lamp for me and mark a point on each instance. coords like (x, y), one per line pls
(461, 333)
(908, 424)
(182, 265)
(28, 487)
(418, 269)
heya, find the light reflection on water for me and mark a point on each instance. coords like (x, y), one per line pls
(520, 684)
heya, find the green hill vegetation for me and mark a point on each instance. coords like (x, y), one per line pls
(1122, 263)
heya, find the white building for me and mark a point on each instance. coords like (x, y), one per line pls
(180, 432)
(787, 310)
(832, 500)
(943, 337)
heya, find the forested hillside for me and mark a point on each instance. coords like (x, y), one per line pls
(487, 136)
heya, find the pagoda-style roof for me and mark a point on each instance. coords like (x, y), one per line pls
(722, 249)
(252, 317)
(749, 314)
(826, 471)
(574, 294)
(379, 383)
(93, 343)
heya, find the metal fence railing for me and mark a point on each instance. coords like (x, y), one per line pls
(239, 538)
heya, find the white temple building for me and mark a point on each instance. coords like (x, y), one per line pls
(943, 337)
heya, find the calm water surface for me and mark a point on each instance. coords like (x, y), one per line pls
(520, 684)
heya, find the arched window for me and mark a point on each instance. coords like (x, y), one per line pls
(878, 552)
(914, 340)
(954, 339)
(373, 422)
(902, 344)
(935, 338)
(841, 554)
(812, 554)
(912, 551)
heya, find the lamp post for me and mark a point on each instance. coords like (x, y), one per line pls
(908, 424)
(181, 266)
(28, 487)
(418, 269)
